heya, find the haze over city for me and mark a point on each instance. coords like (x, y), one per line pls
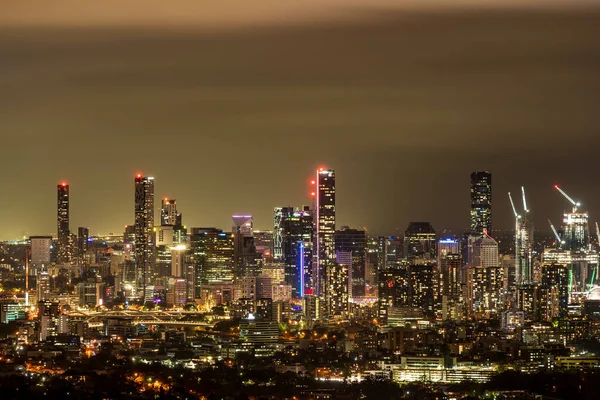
(232, 111)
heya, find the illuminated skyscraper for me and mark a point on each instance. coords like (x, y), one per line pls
(144, 225)
(62, 222)
(337, 284)
(325, 228)
(246, 259)
(169, 214)
(43, 286)
(447, 246)
(212, 250)
(481, 202)
(554, 292)
(449, 286)
(41, 247)
(420, 241)
(422, 285)
(394, 290)
(83, 236)
(485, 279)
(296, 227)
(354, 241)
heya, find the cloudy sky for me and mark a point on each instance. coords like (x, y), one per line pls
(231, 107)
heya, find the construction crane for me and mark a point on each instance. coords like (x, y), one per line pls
(524, 200)
(575, 203)
(558, 240)
(512, 203)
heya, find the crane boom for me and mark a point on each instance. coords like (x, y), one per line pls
(524, 200)
(576, 204)
(554, 230)
(513, 205)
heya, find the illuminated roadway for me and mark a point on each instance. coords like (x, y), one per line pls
(150, 317)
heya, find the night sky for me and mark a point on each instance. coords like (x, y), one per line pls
(232, 108)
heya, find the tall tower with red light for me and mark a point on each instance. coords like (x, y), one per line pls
(62, 222)
(324, 247)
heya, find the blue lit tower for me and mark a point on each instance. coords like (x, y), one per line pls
(296, 227)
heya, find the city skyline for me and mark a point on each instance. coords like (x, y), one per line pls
(265, 223)
(300, 199)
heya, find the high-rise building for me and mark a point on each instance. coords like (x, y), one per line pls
(168, 213)
(389, 251)
(311, 308)
(523, 243)
(41, 247)
(83, 236)
(523, 250)
(245, 257)
(90, 293)
(51, 321)
(62, 222)
(447, 246)
(277, 234)
(394, 290)
(420, 241)
(344, 258)
(554, 292)
(212, 250)
(263, 241)
(337, 287)
(244, 224)
(296, 233)
(481, 202)
(324, 249)
(144, 225)
(176, 292)
(43, 286)
(449, 287)
(354, 241)
(485, 280)
(164, 243)
(422, 284)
